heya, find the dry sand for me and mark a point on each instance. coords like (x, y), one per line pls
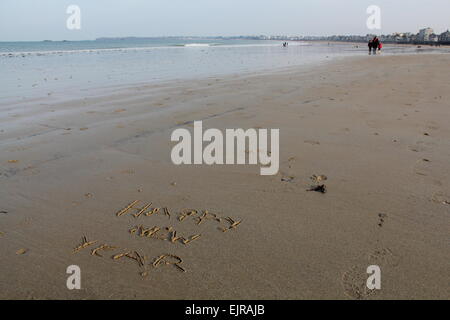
(377, 127)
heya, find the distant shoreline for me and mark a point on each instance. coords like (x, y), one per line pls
(244, 38)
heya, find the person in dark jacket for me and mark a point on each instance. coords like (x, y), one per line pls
(370, 45)
(375, 44)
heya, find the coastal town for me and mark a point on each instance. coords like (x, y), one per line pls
(424, 36)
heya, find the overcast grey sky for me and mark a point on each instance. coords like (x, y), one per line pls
(46, 19)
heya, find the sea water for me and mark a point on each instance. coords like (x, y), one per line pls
(46, 68)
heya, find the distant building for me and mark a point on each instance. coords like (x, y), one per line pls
(434, 38)
(425, 34)
(445, 37)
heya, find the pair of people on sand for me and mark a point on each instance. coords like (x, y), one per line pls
(374, 45)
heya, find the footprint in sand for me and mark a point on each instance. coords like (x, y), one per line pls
(422, 167)
(381, 219)
(291, 161)
(431, 125)
(312, 142)
(287, 179)
(441, 198)
(417, 148)
(354, 282)
(384, 257)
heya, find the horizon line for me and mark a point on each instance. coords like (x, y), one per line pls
(204, 37)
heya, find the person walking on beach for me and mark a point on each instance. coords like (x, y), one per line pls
(375, 45)
(370, 45)
(380, 46)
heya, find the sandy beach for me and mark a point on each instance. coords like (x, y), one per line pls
(376, 127)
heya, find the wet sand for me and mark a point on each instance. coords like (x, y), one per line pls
(377, 127)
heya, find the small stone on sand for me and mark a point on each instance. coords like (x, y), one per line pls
(21, 251)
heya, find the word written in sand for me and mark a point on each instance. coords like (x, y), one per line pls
(235, 140)
(156, 232)
(133, 255)
(170, 236)
(199, 216)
